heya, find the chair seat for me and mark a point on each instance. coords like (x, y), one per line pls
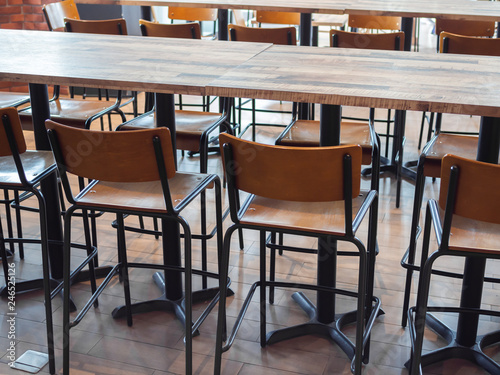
(190, 125)
(442, 144)
(140, 196)
(9, 99)
(72, 112)
(305, 133)
(34, 164)
(473, 235)
(317, 217)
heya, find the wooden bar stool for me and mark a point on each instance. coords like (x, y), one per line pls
(323, 202)
(131, 172)
(467, 224)
(275, 35)
(459, 27)
(429, 162)
(22, 170)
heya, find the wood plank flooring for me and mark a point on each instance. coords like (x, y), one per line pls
(154, 344)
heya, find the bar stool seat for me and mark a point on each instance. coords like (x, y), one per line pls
(443, 144)
(307, 216)
(139, 196)
(71, 112)
(190, 126)
(305, 133)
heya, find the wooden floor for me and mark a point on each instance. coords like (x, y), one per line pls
(154, 344)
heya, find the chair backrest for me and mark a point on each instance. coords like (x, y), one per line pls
(477, 194)
(469, 45)
(239, 17)
(282, 18)
(465, 27)
(278, 35)
(374, 22)
(192, 14)
(190, 30)
(116, 26)
(306, 174)
(55, 13)
(127, 156)
(10, 118)
(386, 41)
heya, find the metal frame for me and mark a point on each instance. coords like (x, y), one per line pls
(367, 303)
(417, 315)
(181, 305)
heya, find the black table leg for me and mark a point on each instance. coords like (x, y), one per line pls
(223, 17)
(407, 28)
(305, 40)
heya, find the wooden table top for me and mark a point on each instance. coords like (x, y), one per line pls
(452, 9)
(368, 78)
(163, 65)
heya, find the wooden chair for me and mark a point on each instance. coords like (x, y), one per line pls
(116, 26)
(131, 172)
(281, 18)
(275, 35)
(194, 129)
(306, 132)
(466, 222)
(460, 27)
(374, 23)
(195, 14)
(281, 182)
(13, 99)
(430, 160)
(79, 112)
(55, 13)
(190, 30)
(23, 170)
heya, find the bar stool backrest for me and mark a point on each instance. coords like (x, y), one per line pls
(310, 174)
(55, 13)
(477, 192)
(283, 18)
(190, 30)
(468, 45)
(192, 14)
(116, 26)
(275, 35)
(374, 22)
(465, 27)
(385, 41)
(127, 156)
(10, 118)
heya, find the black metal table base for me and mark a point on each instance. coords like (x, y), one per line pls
(473, 354)
(386, 166)
(331, 330)
(164, 304)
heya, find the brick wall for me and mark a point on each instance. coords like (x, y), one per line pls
(21, 15)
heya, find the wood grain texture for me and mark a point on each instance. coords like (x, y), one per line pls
(461, 9)
(368, 78)
(161, 65)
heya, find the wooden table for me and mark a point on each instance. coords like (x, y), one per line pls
(161, 65)
(332, 77)
(408, 9)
